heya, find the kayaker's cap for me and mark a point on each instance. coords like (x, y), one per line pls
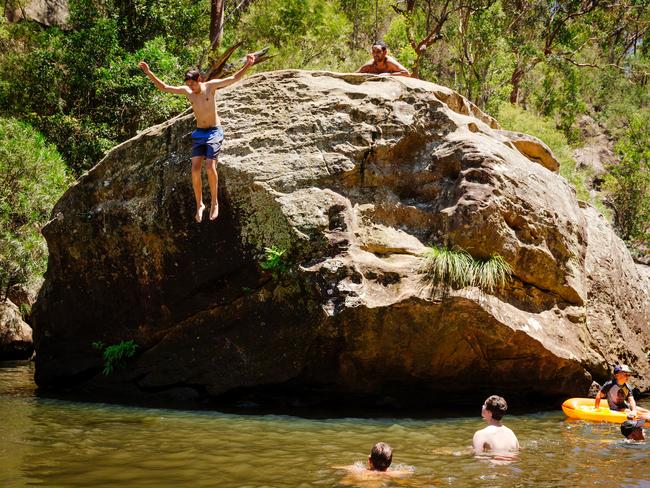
(630, 426)
(622, 368)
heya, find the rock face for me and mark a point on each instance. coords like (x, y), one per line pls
(352, 176)
(46, 12)
(15, 335)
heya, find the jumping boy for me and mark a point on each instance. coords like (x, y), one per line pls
(619, 394)
(208, 136)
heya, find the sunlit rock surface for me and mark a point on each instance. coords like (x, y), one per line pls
(45, 12)
(353, 175)
(15, 335)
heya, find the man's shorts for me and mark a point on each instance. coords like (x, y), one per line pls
(207, 142)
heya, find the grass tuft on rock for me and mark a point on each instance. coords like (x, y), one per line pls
(449, 267)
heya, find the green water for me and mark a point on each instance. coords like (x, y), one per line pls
(54, 443)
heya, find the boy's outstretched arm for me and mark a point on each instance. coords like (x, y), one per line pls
(220, 83)
(161, 85)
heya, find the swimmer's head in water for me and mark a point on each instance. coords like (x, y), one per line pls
(380, 457)
(497, 406)
(633, 429)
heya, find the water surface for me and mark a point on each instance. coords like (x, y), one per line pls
(56, 443)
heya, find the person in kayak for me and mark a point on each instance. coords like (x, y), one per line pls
(619, 394)
(496, 438)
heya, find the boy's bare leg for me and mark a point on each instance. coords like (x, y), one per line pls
(197, 186)
(213, 182)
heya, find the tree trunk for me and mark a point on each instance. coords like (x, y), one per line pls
(515, 81)
(216, 22)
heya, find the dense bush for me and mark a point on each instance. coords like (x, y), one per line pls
(32, 177)
(82, 89)
(628, 184)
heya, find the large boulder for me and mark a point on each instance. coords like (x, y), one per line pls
(352, 176)
(15, 335)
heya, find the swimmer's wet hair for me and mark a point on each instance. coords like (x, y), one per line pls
(381, 456)
(497, 406)
(192, 74)
(381, 44)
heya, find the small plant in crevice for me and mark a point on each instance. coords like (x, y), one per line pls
(274, 260)
(450, 267)
(115, 355)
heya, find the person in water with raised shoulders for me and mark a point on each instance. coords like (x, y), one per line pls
(382, 63)
(379, 460)
(619, 394)
(208, 136)
(496, 438)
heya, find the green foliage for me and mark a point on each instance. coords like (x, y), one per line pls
(628, 183)
(445, 268)
(274, 260)
(82, 89)
(115, 355)
(304, 34)
(32, 177)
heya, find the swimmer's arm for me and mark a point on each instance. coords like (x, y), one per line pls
(397, 68)
(223, 82)
(161, 85)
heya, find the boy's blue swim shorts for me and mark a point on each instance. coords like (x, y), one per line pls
(207, 142)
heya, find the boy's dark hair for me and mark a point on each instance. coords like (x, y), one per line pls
(381, 44)
(381, 456)
(629, 426)
(497, 406)
(192, 74)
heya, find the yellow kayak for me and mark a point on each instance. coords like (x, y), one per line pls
(583, 409)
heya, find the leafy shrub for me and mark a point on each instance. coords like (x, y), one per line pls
(32, 177)
(274, 260)
(306, 34)
(116, 354)
(628, 183)
(444, 268)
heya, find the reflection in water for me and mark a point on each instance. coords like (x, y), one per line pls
(66, 444)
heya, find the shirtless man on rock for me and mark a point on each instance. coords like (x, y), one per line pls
(208, 136)
(382, 63)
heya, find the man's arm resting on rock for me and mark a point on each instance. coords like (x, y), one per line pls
(366, 68)
(399, 70)
(161, 85)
